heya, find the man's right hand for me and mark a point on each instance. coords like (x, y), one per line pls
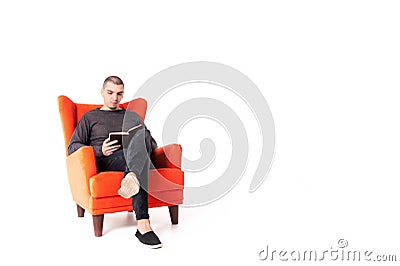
(108, 147)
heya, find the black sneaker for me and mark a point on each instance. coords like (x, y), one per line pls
(149, 239)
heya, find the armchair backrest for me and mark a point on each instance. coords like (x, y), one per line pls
(71, 113)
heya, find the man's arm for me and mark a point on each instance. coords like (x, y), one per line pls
(80, 137)
(150, 141)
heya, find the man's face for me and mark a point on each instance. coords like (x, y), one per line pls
(112, 95)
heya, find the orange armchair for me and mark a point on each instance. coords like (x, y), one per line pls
(98, 192)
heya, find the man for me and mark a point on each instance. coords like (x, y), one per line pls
(93, 129)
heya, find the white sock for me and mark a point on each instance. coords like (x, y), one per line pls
(129, 186)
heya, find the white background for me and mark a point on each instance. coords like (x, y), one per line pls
(329, 71)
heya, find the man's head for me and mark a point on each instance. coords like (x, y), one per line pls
(112, 92)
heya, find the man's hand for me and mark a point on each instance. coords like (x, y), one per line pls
(108, 147)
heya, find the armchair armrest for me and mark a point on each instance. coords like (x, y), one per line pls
(81, 165)
(169, 156)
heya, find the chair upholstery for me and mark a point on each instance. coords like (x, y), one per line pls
(97, 192)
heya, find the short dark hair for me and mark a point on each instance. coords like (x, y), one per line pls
(113, 79)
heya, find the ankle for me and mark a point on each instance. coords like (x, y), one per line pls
(144, 226)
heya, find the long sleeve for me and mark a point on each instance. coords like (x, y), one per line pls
(150, 141)
(80, 137)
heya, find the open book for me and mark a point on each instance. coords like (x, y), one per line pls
(118, 135)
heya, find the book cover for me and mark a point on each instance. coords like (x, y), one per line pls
(118, 135)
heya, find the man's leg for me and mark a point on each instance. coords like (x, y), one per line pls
(114, 162)
(136, 171)
(140, 200)
(138, 162)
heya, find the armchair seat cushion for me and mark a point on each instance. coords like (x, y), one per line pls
(106, 184)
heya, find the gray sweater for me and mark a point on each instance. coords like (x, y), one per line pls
(95, 125)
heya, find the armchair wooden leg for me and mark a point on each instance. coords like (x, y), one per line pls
(98, 224)
(81, 211)
(173, 213)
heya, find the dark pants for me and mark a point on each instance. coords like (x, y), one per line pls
(135, 157)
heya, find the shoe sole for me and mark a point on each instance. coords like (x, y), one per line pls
(153, 246)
